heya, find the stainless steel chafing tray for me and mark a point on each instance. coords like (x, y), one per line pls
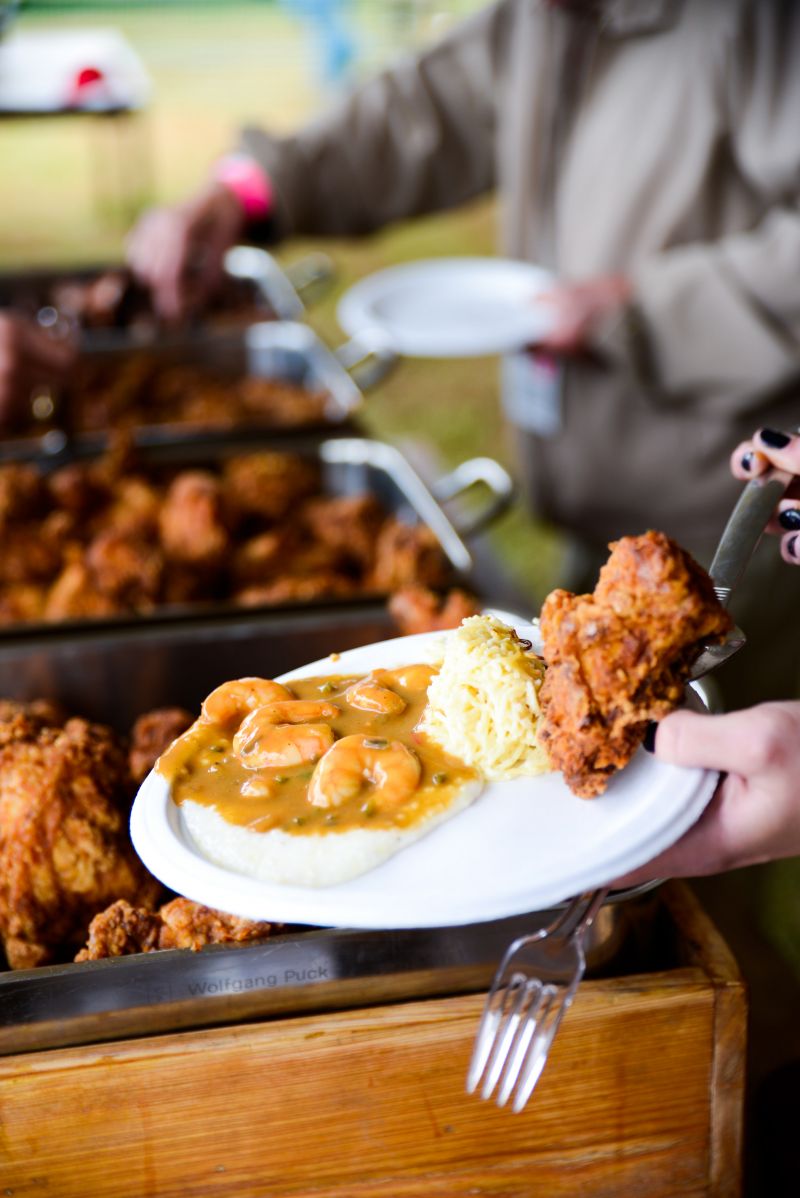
(113, 669)
(274, 290)
(303, 970)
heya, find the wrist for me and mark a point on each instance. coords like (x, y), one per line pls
(245, 180)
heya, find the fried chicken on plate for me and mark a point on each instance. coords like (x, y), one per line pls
(620, 657)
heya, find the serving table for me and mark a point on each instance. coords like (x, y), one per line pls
(642, 1095)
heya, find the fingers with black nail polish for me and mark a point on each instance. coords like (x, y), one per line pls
(773, 438)
(747, 461)
(649, 738)
(790, 548)
(789, 519)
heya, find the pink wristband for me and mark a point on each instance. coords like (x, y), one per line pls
(248, 182)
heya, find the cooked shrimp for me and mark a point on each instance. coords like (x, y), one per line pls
(358, 763)
(282, 734)
(369, 695)
(410, 678)
(231, 702)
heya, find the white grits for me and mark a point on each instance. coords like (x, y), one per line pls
(298, 859)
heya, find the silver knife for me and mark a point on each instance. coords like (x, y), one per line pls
(737, 544)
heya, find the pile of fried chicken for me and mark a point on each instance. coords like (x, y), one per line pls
(68, 873)
(620, 657)
(140, 390)
(109, 536)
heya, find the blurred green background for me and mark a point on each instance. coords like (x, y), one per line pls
(70, 187)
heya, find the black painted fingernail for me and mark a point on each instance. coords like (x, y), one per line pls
(793, 546)
(773, 438)
(747, 461)
(790, 519)
(649, 738)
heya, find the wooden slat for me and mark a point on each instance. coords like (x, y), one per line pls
(351, 1103)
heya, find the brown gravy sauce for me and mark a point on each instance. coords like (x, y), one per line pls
(201, 767)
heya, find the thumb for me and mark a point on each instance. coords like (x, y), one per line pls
(714, 742)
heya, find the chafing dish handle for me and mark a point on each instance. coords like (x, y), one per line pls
(477, 470)
(311, 275)
(366, 360)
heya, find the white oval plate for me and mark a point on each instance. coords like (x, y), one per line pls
(450, 307)
(522, 845)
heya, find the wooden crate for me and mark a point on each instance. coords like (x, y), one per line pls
(642, 1096)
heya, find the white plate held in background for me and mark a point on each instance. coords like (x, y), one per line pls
(450, 307)
(522, 846)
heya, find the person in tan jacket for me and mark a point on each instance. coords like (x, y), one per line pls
(648, 152)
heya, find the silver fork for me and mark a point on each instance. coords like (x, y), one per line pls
(531, 992)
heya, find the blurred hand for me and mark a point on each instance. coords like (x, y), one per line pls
(29, 357)
(769, 447)
(579, 308)
(178, 253)
(755, 813)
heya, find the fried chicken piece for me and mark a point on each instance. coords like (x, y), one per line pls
(191, 925)
(77, 489)
(405, 554)
(151, 735)
(291, 588)
(192, 523)
(210, 406)
(273, 402)
(268, 485)
(134, 509)
(620, 657)
(26, 557)
(21, 492)
(261, 557)
(417, 609)
(74, 596)
(348, 524)
(122, 929)
(125, 569)
(24, 721)
(22, 602)
(190, 584)
(64, 847)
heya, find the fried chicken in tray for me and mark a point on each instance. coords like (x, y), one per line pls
(141, 390)
(65, 796)
(620, 657)
(109, 537)
(68, 871)
(122, 929)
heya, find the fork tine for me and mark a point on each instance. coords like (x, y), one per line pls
(540, 1048)
(526, 1034)
(525, 996)
(487, 1029)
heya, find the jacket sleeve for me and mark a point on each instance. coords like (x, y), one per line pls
(723, 318)
(417, 138)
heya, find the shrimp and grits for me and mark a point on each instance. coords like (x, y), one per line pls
(315, 782)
